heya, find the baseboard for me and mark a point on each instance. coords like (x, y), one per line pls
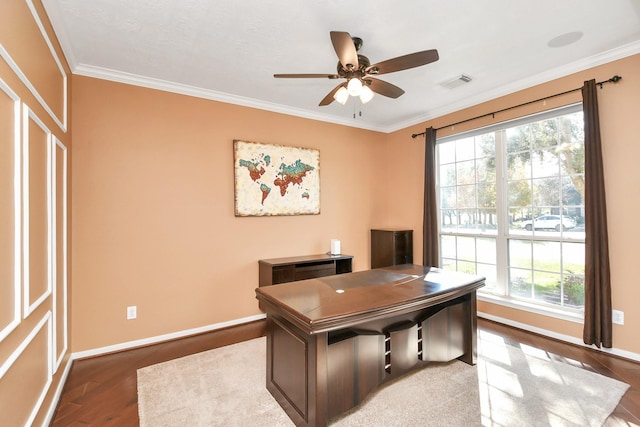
(56, 397)
(160, 338)
(561, 337)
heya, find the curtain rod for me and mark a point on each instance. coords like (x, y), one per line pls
(614, 79)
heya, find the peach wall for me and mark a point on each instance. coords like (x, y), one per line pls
(153, 211)
(620, 128)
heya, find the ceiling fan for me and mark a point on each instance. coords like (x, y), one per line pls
(358, 70)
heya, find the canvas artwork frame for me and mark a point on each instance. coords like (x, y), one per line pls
(273, 180)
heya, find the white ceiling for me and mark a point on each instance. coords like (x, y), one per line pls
(229, 50)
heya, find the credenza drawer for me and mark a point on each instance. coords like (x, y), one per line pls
(311, 270)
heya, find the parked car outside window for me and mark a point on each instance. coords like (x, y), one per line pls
(549, 222)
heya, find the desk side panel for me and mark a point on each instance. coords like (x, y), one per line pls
(288, 370)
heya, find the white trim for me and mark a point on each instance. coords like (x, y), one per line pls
(16, 69)
(17, 213)
(165, 337)
(61, 122)
(54, 258)
(57, 20)
(26, 116)
(566, 338)
(557, 313)
(58, 394)
(46, 320)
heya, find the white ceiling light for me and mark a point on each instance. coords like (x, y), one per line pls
(366, 94)
(354, 87)
(342, 95)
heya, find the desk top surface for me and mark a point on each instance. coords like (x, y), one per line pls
(331, 302)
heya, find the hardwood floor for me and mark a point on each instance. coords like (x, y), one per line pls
(102, 391)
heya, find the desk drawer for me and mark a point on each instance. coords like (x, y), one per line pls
(311, 270)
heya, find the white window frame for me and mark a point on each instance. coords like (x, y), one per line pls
(502, 236)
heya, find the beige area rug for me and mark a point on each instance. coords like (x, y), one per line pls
(510, 386)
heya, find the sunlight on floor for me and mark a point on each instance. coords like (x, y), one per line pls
(533, 384)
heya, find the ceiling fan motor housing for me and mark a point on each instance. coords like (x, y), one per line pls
(363, 64)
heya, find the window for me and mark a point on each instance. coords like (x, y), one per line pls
(511, 206)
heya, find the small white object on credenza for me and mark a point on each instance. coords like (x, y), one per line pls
(335, 247)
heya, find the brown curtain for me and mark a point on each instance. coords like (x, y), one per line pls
(597, 292)
(430, 238)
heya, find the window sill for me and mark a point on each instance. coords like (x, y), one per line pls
(576, 316)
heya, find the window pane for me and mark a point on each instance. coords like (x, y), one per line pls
(467, 267)
(448, 197)
(573, 258)
(487, 221)
(465, 172)
(466, 247)
(573, 290)
(546, 192)
(519, 165)
(486, 145)
(546, 256)
(467, 196)
(518, 139)
(448, 174)
(486, 249)
(519, 193)
(491, 276)
(520, 253)
(448, 246)
(544, 163)
(573, 190)
(448, 219)
(544, 133)
(465, 149)
(547, 287)
(520, 283)
(447, 152)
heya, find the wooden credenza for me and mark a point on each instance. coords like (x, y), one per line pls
(332, 341)
(282, 270)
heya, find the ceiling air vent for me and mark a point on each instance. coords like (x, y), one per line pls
(456, 81)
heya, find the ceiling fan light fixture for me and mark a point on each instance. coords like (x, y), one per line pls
(354, 87)
(366, 94)
(342, 95)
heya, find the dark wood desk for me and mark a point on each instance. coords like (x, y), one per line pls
(332, 340)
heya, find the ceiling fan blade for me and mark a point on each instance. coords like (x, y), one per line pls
(345, 49)
(405, 62)
(383, 88)
(329, 98)
(306, 76)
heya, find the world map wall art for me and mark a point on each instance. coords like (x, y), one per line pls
(275, 179)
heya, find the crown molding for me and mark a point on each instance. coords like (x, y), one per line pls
(555, 73)
(167, 86)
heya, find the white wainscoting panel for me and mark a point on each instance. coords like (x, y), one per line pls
(37, 213)
(10, 278)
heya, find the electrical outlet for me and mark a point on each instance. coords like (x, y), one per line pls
(132, 312)
(618, 317)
